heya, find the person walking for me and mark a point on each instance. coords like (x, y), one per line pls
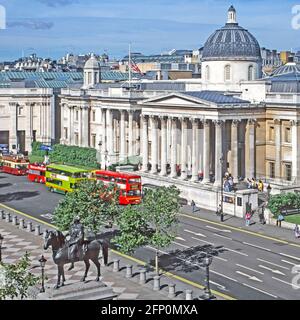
(193, 204)
(219, 210)
(280, 218)
(247, 219)
(297, 232)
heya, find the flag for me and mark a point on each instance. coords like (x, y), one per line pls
(134, 67)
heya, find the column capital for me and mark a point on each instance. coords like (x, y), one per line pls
(277, 121)
(236, 122)
(218, 123)
(206, 122)
(251, 121)
(295, 123)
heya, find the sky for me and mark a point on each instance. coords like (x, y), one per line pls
(52, 28)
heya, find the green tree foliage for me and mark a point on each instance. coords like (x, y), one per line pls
(154, 224)
(284, 200)
(36, 150)
(16, 279)
(95, 204)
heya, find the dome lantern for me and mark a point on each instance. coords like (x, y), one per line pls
(231, 15)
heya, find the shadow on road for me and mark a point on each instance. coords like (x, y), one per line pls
(16, 196)
(3, 185)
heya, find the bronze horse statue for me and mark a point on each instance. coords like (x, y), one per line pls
(60, 250)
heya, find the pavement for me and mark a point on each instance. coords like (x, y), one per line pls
(17, 242)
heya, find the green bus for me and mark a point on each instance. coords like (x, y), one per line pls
(63, 179)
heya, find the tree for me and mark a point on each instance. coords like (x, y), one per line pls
(152, 223)
(95, 203)
(15, 279)
(282, 201)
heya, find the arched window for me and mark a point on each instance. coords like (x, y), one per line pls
(207, 75)
(227, 73)
(250, 73)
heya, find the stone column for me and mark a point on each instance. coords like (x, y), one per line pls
(29, 127)
(62, 123)
(71, 126)
(235, 150)
(85, 127)
(131, 143)
(195, 123)
(145, 142)
(206, 151)
(103, 139)
(13, 125)
(109, 132)
(218, 153)
(122, 136)
(251, 148)
(174, 148)
(295, 151)
(184, 168)
(277, 149)
(154, 144)
(80, 128)
(164, 146)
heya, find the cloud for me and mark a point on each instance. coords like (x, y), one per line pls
(31, 24)
(58, 3)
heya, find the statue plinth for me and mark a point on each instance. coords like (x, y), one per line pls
(91, 290)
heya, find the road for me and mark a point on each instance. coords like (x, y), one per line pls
(251, 266)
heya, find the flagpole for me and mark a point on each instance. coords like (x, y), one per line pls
(129, 64)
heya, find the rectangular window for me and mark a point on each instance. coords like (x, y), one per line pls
(93, 140)
(94, 116)
(288, 135)
(77, 115)
(272, 170)
(239, 201)
(271, 133)
(288, 172)
(76, 139)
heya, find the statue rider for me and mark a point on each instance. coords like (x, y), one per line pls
(76, 241)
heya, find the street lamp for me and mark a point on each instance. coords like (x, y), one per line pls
(105, 158)
(207, 261)
(1, 241)
(42, 262)
(222, 188)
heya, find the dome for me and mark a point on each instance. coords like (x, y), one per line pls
(231, 42)
(92, 63)
(288, 68)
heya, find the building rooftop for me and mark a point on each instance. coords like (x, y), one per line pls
(218, 97)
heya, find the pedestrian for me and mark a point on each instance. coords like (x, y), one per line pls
(297, 232)
(280, 218)
(249, 185)
(269, 188)
(247, 219)
(193, 204)
(260, 186)
(219, 210)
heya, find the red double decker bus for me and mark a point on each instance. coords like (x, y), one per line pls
(37, 172)
(14, 164)
(130, 185)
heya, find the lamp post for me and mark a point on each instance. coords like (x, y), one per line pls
(42, 262)
(207, 261)
(222, 188)
(1, 241)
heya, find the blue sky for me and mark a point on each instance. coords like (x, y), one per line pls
(55, 27)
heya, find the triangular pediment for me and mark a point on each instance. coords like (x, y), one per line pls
(175, 99)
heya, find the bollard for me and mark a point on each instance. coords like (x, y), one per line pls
(45, 234)
(7, 217)
(37, 230)
(172, 291)
(156, 283)
(2, 214)
(21, 224)
(29, 226)
(15, 220)
(128, 271)
(116, 265)
(189, 295)
(143, 276)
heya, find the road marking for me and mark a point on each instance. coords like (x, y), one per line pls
(267, 293)
(295, 286)
(274, 271)
(153, 249)
(220, 286)
(202, 241)
(240, 230)
(221, 230)
(169, 274)
(219, 258)
(274, 264)
(255, 246)
(181, 239)
(179, 244)
(240, 265)
(248, 276)
(241, 253)
(288, 262)
(195, 233)
(219, 235)
(292, 257)
(222, 275)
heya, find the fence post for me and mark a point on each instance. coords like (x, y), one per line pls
(143, 276)
(129, 271)
(116, 267)
(156, 283)
(37, 230)
(29, 226)
(22, 224)
(7, 217)
(15, 220)
(172, 291)
(189, 295)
